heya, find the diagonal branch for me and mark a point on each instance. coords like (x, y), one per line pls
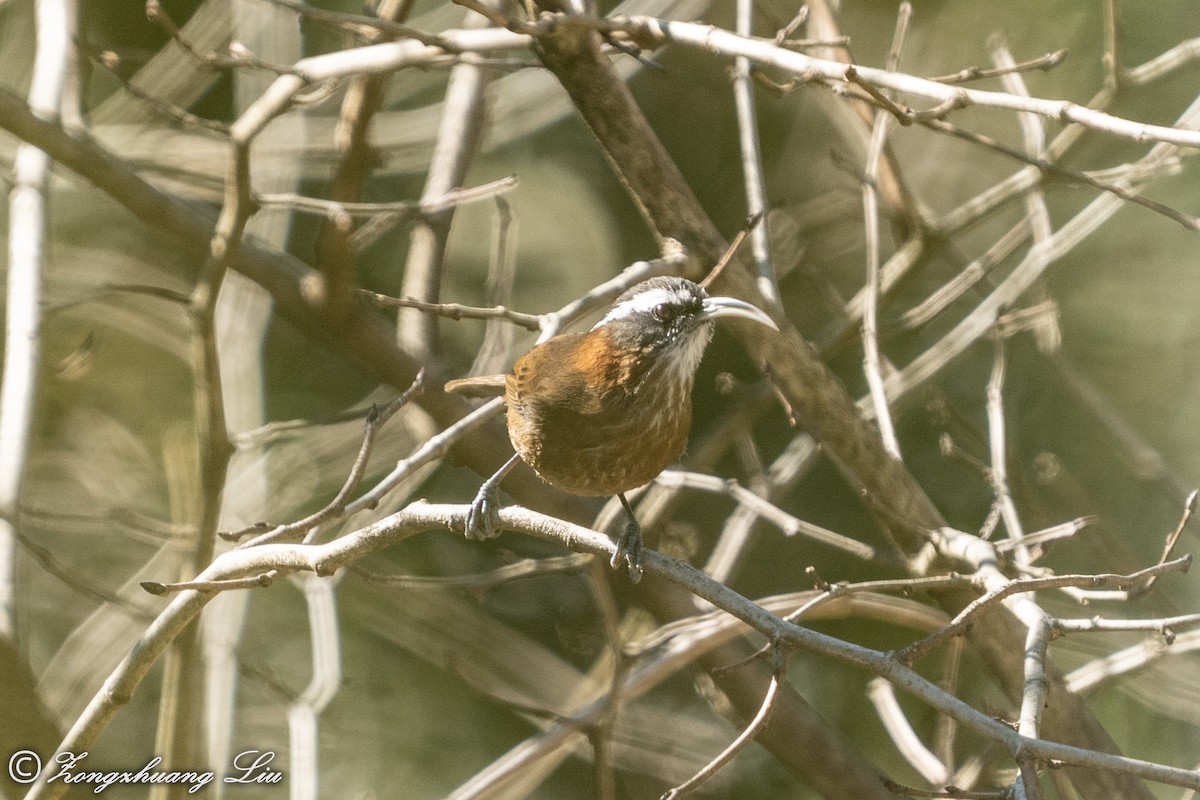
(327, 559)
(572, 52)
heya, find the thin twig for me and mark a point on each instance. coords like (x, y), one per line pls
(455, 311)
(918, 649)
(765, 509)
(376, 419)
(764, 53)
(851, 75)
(949, 793)
(494, 352)
(1167, 627)
(360, 21)
(603, 294)
(1130, 659)
(434, 448)
(455, 145)
(1058, 171)
(1178, 56)
(403, 209)
(747, 735)
(110, 61)
(262, 580)
(796, 23)
(998, 452)
(1054, 533)
(326, 559)
(27, 230)
(1033, 138)
(519, 570)
(385, 57)
(752, 168)
(872, 359)
(1112, 43)
(830, 593)
(945, 295)
(237, 58)
(1044, 63)
(1039, 258)
(1189, 508)
(904, 586)
(883, 696)
(753, 223)
(270, 432)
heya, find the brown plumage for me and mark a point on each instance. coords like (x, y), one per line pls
(603, 412)
(579, 423)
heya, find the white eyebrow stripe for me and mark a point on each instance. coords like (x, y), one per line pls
(644, 301)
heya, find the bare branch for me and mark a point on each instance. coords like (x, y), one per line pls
(401, 209)
(756, 724)
(357, 22)
(457, 139)
(1044, 63)
(787, 523)
(433, 448)
(520, 570)
(1189, 508)
(998, 449)
(327, 559)
(1020, 279)
(455, 311)
(752, 168)
(764, 53)
(237, 58)
(882, 695)
(918, 649)
(1130, 659)
(27, 229)
(376, 419)
(1178, 56)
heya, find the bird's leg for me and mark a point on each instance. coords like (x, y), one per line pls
(629, 545)
(483, 519)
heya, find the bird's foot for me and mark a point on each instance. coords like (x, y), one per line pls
(483, 518)
(629, 550)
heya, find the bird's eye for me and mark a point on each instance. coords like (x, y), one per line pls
(662, 312)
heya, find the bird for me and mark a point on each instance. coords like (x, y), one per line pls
(601, 412)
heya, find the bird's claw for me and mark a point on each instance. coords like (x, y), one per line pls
(629, 550)
(483, 518)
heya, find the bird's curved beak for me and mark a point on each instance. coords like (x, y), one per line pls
(716, 307)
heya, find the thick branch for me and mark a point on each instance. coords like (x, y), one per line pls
(817, 398)
(326, 559)
(364, 337)
(368, 339)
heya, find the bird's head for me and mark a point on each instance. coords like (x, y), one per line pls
(670, 319)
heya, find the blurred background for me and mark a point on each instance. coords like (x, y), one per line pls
(434, 683)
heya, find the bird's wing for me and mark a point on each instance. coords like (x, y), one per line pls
(477, 386)
(572, 387)
(555, 375)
